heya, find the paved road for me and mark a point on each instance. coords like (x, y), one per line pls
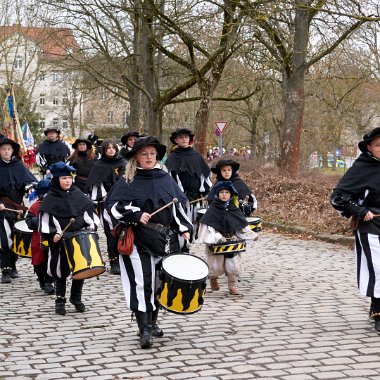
(299, 317)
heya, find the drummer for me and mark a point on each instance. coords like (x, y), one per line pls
(15, 178)
(227, 170)
(222, 222)
(64, 208)
(144, 188)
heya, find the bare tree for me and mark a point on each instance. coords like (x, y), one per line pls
(296, 35)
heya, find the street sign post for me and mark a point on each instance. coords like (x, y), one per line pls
(220, 127)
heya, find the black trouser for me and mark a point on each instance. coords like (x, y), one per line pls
(60, 270)
(113, 254)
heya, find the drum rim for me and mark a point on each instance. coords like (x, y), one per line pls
(181, 279)
(23, 222)
(86, 269)
(179, 312)
(77, 233)
(253, 219)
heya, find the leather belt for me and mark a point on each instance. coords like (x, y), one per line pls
(158, 227)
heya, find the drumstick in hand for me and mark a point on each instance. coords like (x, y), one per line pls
(175, 200)
(72, 220)
(11, 209)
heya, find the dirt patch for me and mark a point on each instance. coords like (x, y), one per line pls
(301, 203)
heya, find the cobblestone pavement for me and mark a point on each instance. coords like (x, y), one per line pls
(299, 317)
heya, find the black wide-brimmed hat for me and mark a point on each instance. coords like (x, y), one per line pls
(15, 146)
(49, 129)
(79, 140)
(181, 131)
(142, 142)
(367, 138)
(235, 166)
(124, 138)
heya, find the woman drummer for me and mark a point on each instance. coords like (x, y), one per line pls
(145, 188)
(64, 209)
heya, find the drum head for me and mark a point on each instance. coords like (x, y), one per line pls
(185, 267)
(22, 226)
(201, 211)
(253, 219)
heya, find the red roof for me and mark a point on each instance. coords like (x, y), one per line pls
(54, 42)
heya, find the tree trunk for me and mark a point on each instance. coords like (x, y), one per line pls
(294, 104)
(202, 117)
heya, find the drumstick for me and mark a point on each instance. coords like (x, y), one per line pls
(11, 209)
(72, 220)
(198, 200)
(175, 200)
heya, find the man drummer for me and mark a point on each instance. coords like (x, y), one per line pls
(64, 209)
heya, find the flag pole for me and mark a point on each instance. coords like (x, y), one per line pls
(18, 137)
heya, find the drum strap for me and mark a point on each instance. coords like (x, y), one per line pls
(158, 227)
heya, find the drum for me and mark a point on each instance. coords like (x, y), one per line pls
(228, 248)
(22, 239)
(83, 254)
(201, 212)
(254, 223)
(183, 283)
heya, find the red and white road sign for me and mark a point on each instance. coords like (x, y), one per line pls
(221, 125)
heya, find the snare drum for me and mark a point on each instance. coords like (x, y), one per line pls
(183, 283)
(228, 249)
(83, 254)
(254, 223)
(201, 212)
(22, 239)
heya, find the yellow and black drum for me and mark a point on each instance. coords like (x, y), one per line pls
(183, 283)
(229, 248)
(22, 239)
(255, 223)
(83, 254)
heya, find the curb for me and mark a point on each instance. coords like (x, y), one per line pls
(347, 241)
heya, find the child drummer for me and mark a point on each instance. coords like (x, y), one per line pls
(223, 222)
(227, 170)
(64, 208)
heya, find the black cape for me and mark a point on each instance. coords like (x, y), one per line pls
(224, 217)
(65, 203)
(155, 185)
(13, 177)
(107, 171)
(364, 174)
(187, 160)
(149, 190)
(55, 149)
(240, 186)
(15, 173)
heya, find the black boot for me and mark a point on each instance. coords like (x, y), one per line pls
(144, 321)
(6, 276)
(60, 305)
(115, 267)
(76, 296)
(156, 330)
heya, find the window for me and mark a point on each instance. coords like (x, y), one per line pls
(42, 99)
(55, 77)
(42, 76)
(90, 115)
(110, 116)
(65, 124)
(55, 122)
(42, 123)
(55, 100)
(65, 100)
(18, 62)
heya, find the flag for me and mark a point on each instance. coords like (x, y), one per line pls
(11, 123)
(27, 135)
(8, 113)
